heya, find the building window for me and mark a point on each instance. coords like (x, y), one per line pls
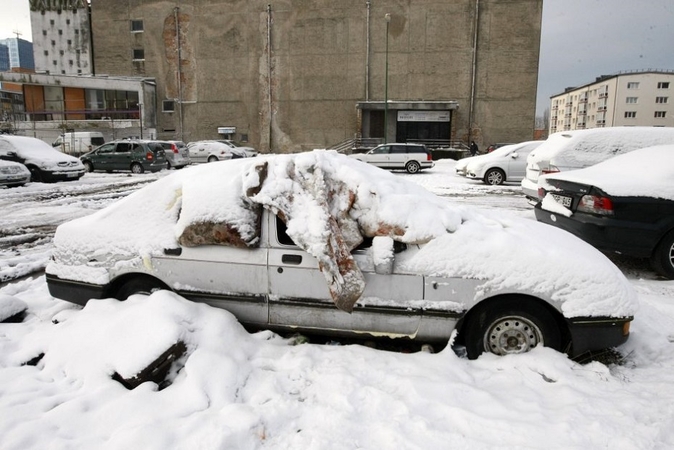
(661, 99)
(51, 22)
(663, 85)
(70, 62)
(54, 62)
(70, 42)
(136, 26)
(660, 114)
(77, 31)
(633, 85)
(53, 42)
(168, 106)
(79, 71)
(61, 52)
(44, 32)
(631, 99)
(63, 72)
(138, 54)
(60, 32)
(630, 114)
(46, 53)
(67, 21)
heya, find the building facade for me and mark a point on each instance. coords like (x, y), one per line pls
(4, 58)
(296, 75)
(20, 53)
(61, 37)
(642, 98)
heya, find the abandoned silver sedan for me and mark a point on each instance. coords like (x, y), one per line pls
(320, 242)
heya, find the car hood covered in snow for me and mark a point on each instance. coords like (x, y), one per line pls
(329, 203)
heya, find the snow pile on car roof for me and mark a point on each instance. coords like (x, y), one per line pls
(580, 148)
(647, 172)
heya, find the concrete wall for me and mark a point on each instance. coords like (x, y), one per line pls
(294, 85)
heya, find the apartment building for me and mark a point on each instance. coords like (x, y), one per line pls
(638, 98)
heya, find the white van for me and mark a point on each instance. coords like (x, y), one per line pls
(79, 142)
(570, 150)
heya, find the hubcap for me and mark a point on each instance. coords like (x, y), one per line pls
(671, 255)
(510, 335)
(495, 178)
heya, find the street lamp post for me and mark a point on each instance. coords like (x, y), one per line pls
(387, 16)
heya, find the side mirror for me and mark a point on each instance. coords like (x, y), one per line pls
(514, 155)
(11, 154)
(382, 255)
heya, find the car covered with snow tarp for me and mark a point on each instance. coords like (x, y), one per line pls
(320, 242)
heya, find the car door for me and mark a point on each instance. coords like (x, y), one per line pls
(380, 156)
(101, 158)
(299, 296)
(517, 165)
(120, 159)
(198, 153)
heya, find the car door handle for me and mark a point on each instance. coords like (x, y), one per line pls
(291, 259)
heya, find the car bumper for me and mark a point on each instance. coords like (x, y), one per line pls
(14, 180)
(596, 333)
(75, 291)
(70, 175)
(530, 189)
(607, 234)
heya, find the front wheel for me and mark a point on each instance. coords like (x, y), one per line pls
(412, 167)
(510, 326)
(137, 168)
(662, 259)
(88, 166)
(494, 177)
(141, 285)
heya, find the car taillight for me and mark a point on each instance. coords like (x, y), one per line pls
(541, 193)
(149, 156)
(429, 157)
(595, 204)
(174, 149)
(550, 169)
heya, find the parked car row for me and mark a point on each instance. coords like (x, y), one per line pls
(506, 163)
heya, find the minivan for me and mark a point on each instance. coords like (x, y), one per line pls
(78, 142)
(137, 156)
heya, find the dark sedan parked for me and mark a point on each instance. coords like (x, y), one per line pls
(623, 205)
(134, 155)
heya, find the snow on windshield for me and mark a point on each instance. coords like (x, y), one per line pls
(581, 148)
(647, 172)
(329, 202)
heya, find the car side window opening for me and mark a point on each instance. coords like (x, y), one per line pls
(399, 149)
(381, 150)
(282, 233)
(106, 148)
(123, 147)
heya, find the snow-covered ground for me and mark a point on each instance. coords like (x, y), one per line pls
(248, 391)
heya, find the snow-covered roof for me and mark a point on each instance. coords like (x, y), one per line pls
(581, 148)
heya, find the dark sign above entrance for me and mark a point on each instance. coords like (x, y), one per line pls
(423, 116)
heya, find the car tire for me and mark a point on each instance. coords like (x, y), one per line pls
(139, 285)
(212, 159)
(662, 259)
(35, 174)
(509, 326)
(412, 167)
(88, 166)
(137, 168)
(494, 177)
(168, 165)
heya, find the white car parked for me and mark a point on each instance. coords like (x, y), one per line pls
(410, 157)
(319, 242)
(570, 150)
(507, 163)
(209, 151)
(45, 163)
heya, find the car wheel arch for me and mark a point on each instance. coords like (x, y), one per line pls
(659, 260)
(131, 283)
(487, 304)
(35, 173)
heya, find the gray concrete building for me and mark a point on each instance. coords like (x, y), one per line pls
(295, 75)
(61, 36)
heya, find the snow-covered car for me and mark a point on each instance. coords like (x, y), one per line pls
(176, 154)
(44, 162)
(507, 163)
(462, 165)
(13, 174)
(623, 205)
(572, 150)
(239, 150)
(320, 242)
(410, 157)
(209, 151)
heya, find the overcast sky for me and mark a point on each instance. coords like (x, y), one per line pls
(580, 40)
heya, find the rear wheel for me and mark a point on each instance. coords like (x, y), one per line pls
(137, 168)
(212, 158)
(494, 177)
(662, 259)
(412, 167)
(510, 326)
(141, 285)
